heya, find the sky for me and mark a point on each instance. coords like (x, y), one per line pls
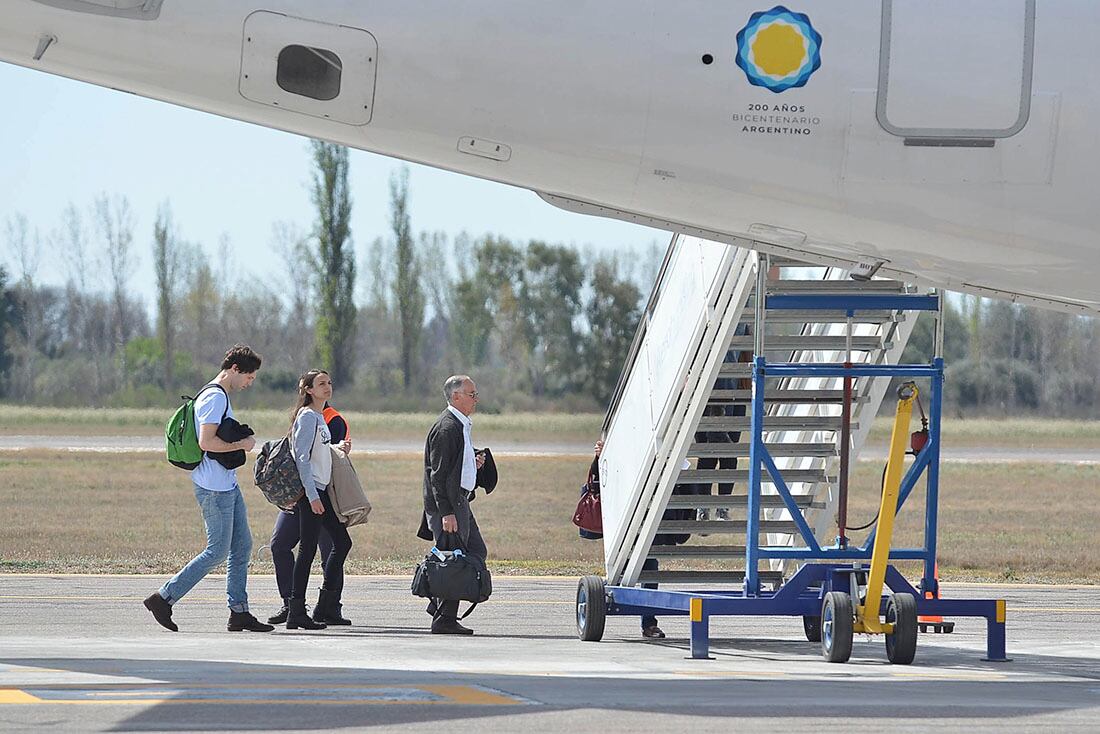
(63, 142)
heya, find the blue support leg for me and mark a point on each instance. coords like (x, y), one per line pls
(700, 631)
(995, 651)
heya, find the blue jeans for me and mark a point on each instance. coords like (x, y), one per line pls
(228, 538)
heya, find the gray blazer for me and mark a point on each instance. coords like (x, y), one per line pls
(443, 465)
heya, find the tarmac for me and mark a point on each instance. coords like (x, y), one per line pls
(877, 454)
(80, 653)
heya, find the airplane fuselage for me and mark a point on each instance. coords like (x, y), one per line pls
(951, 141)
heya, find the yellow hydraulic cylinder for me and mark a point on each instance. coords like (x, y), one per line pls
(867, 616)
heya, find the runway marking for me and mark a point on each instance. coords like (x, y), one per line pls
(14, 695)
(276, 694)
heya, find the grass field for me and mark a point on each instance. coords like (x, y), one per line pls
(532, 428)
(133, 513)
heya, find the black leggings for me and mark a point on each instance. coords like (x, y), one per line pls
(309, 528)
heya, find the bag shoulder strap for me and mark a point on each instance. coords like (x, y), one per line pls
(219, 387)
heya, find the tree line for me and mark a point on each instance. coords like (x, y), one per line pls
(540, 324)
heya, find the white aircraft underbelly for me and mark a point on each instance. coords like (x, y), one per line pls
(949, 140)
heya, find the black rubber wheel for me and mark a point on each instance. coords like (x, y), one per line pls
(812, 627)
(901, 644)
(591, 608)
(836, 627)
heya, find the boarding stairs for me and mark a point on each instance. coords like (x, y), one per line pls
(687, 378)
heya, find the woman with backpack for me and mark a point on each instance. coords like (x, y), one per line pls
(310, 437)
(285, 536)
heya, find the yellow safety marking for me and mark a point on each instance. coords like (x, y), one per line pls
(1000, 611)
(14, 695)
(469, 695)
(696, 610)
(450, 695)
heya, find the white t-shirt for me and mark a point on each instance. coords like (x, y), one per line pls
(210, 406)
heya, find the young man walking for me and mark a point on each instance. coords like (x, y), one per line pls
(228, 537)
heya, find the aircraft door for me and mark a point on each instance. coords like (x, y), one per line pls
(956, 72)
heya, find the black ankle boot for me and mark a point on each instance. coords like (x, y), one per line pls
(297, 618)
(328, 609)
(280, 616)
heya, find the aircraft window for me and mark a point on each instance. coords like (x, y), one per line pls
(310, 72)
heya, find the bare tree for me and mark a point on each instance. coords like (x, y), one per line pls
(25, 248)
(166, 264)
(116, 227)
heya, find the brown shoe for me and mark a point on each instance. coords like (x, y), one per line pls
(449, 627)
(653, 632)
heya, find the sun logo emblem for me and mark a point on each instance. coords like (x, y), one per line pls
(778, 49)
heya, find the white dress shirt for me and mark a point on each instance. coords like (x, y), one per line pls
(469, 467)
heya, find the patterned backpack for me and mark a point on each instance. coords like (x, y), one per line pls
(276, 473)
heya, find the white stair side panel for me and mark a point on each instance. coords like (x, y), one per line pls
(707, 364)
(682, 312)
(627, 463)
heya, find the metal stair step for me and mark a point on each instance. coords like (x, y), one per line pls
(774, 423)
(710, 476)
(811, 343)
(832, 287)
(781, 395)
(712, 577)
(734, 449)
(736, 501)
(776, 316)
(725, 527)
(697, 551)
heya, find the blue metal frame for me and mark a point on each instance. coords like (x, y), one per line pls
(804, 593)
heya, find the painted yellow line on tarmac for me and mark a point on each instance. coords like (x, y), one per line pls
(13, 695)
(344, 695)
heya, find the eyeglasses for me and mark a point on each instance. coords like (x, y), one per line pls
(471, 394)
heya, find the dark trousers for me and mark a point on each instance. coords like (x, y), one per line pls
(309, 527)
(284, 536)
(468, 538)
(726, 462)
(651, 564)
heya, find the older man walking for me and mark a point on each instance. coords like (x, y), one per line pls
(450, 475)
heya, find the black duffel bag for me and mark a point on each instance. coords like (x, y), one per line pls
(452, 576)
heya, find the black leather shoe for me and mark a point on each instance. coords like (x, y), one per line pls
(449, 627)
(280, 616)
(653, 632)
(243, 621)
(162, 611)
(328, 609)
(298, 618)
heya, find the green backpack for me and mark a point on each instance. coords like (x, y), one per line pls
(180, 439)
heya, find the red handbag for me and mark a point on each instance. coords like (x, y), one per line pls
(589, 516)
